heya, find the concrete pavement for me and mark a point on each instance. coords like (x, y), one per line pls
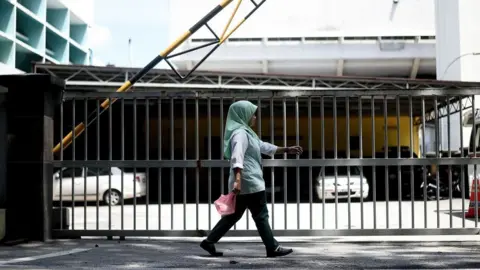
(321, 253)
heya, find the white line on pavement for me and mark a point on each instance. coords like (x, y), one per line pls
(44, 256)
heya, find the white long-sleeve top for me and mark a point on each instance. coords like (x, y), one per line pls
(239, 144)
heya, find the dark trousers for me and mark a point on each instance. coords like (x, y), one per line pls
(257, 204)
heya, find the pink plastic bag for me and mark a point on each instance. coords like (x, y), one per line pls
(226, 204)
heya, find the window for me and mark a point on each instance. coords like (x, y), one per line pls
(342, 171)
(97, 171)
(69, 172)
(91, 172)
(203, 40)
(244, 39)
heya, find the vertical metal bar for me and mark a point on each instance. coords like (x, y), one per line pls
(412, 175)
(159, 191)
(272, 169)
(85, 150)
(184, 150)
(197, 157)
(209, 156)
(109, 165)
(61, 168)
(347, 134)
(297, 142)
(437, 155)
(322, 125)
(450, 184)
(374, 174)
(73, 158)
(425, 184)
(259, 133)
(335, 153)
(98, 169)
(399, 169)
(259, 117)
(284, 102)
(147, 157)
(123, 154)
(475, 181)
(134, 159)
(122, 149)
(385, 146)
(235, 225)
(172, 157)
(462, 170)
(222, 171)
(259, 124)
(310, 156)
(360, 156)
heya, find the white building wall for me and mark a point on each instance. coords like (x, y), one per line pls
(314, 52)
(4, 69)
(458, 28)
(312, 17)
(457, 31)
(85, 9)
(324, 37)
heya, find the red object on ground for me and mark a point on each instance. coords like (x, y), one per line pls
(474, 195)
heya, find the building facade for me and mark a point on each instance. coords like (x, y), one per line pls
(317, 37)
(43, 31)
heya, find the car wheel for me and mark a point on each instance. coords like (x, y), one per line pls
(112, 197)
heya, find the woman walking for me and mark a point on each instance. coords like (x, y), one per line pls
(243, 148)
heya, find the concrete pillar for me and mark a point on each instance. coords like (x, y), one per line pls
(458, 40)
(30, 102)
(3, 159)
(458, 37)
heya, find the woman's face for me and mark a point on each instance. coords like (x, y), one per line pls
(253, 120)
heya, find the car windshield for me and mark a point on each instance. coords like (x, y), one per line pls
(97, 171)
(342, 171)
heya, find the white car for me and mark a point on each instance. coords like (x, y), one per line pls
(342, 183)
(131, 184)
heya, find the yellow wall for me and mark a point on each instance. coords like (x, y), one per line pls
(316, 132)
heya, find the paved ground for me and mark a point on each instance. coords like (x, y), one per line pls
(341, 216)
(326, 253)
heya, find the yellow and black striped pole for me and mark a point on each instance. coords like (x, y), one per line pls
(80, 128)
(164, 55)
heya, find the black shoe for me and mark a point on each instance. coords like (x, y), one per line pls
(279, 252)
(210, 248)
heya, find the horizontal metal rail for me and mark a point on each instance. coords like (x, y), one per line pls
(253, 92)
(269, 163)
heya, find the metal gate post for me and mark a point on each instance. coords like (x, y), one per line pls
(3, 159)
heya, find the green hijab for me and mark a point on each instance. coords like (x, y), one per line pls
(239, 115)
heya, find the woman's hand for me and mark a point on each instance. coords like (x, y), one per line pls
(295, 150)
(237, 185)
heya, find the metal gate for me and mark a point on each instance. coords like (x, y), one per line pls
(152, 164)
